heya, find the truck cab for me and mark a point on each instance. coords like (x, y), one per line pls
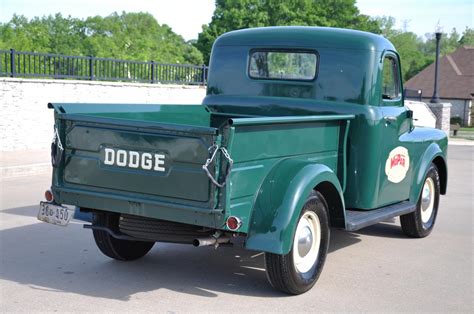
(302, 129)
(354, 73)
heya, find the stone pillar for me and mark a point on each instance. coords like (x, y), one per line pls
(442, 111)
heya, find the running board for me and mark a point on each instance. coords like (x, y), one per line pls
(358, 219)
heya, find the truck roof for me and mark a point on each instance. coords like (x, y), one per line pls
(305, 37)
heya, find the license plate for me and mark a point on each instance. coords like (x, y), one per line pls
(54, 214)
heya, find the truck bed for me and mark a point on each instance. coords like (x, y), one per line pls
(146, 160)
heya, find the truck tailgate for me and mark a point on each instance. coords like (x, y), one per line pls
(143, 160)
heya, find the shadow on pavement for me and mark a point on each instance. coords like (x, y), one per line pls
(384, 230)
(30, 211)
(66, 259)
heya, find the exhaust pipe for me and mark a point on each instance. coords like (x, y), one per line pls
(210, 241)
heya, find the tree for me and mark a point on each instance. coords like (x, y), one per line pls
(409, 47)
(387, 26)
(238, 14)
(416, 53)
(132, 36)
(15, 33)
(467, 38)
(449, 43)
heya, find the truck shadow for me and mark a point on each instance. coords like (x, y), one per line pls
(385, 230)
(47, 257)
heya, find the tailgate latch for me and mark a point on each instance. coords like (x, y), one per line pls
(214, 149)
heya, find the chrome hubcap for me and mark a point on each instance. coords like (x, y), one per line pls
(306, 242)
(427, 200)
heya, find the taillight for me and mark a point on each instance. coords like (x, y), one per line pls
(48, 195)
(233, 223)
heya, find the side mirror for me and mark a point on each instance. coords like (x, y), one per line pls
(409, 114)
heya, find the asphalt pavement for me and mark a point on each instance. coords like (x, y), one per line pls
(49, 268)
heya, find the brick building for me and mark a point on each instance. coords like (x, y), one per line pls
(455, 82)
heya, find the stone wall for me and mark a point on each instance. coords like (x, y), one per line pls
(442, 111)
(26, 122)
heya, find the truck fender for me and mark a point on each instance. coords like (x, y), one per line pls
(433, 154)
(280, 200)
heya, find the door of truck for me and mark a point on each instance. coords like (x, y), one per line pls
(395, 156)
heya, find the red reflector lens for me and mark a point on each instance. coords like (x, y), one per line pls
(233, 223)
(48, 195)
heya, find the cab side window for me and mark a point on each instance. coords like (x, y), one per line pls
(391, 79)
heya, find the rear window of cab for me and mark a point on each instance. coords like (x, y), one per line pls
(283, 65)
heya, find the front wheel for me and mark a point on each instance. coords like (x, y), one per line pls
(298, 271)
(123, 250)
(420, 223)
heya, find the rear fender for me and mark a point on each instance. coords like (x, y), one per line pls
(279, 203)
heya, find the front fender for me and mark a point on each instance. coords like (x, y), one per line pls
(279, 203)
(432, 151)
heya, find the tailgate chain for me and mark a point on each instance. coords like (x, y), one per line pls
(215, 148)
(56, 156)
(56, 139)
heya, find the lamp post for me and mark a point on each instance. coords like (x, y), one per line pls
(435, 99)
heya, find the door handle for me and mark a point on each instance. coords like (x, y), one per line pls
(390, 119)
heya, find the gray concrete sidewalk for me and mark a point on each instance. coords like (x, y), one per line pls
(460, 141)
(24, 162)
(467, 135)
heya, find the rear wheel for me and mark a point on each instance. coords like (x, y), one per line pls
(123, 250)
(421, 222)
(298, 271)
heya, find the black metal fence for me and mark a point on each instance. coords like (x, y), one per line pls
(45, 65)
(413, 94)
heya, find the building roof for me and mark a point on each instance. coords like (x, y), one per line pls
(305, 37)
(455, 76)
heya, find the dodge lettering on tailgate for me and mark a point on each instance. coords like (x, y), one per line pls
(134, 159)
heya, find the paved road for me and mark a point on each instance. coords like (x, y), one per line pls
(49, 268)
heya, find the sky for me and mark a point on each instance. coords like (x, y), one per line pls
(186, 17)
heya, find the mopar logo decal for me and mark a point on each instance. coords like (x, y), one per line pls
(397, 164)
(134, 159)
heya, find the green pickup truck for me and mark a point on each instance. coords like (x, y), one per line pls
(302, 129)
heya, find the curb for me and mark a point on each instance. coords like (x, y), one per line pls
(25, 170)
